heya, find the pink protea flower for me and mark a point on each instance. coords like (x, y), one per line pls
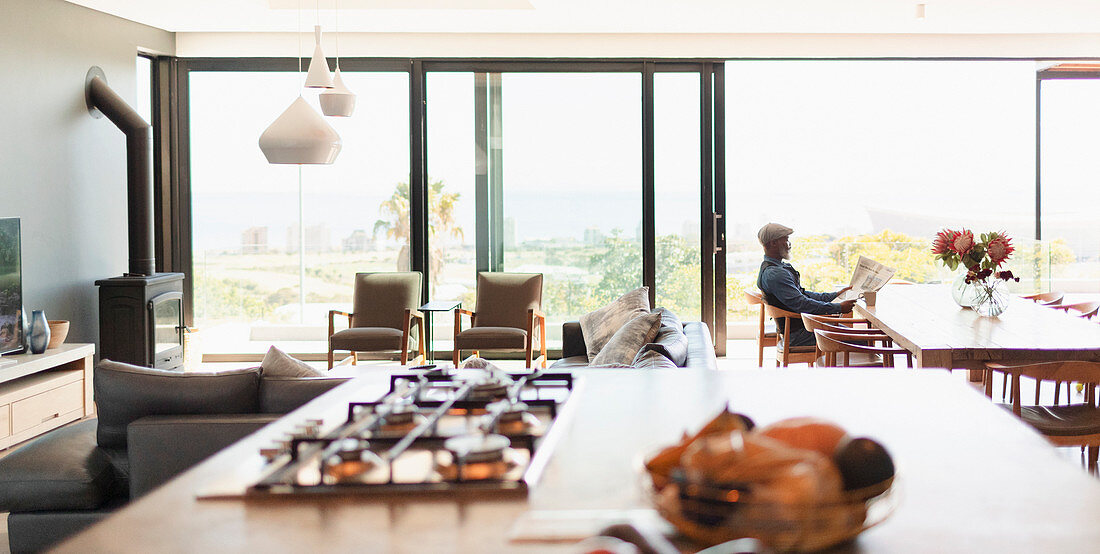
(944, 241)
(1000, 248)
(963, 243)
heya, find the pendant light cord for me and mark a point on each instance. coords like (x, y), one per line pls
(337, 26)
(298, 31)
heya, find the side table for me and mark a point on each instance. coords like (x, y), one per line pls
(429, 309)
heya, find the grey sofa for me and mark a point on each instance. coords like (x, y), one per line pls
(151, 426)
(699, 348)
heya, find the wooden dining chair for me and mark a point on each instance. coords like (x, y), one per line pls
(1086, 310)
(785, 354)
(849, 325)
(831, 343)
(765, 332)
(1069, 425)
(1052, 298)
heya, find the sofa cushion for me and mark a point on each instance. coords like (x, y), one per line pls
(281, 395)
(671, 341)
(366, 339)
(61, 470)
(280, 364)
(125, 392)
(599, 326)
(40, 531)
(628, 341)
(570, 362)
(476, 338)
(651, 359)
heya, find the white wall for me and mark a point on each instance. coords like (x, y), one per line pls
(645, 45)
(61, 171)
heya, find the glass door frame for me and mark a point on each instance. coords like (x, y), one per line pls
(173, 187)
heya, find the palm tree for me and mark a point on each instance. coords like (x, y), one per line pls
(441, 223)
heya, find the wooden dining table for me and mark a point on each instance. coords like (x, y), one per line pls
(926, 321)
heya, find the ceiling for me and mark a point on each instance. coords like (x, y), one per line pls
(613, 16)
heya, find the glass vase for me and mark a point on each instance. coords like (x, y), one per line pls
(991, 297)
(964, 294)
(39, 332)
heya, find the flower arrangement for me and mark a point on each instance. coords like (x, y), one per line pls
(980, 257)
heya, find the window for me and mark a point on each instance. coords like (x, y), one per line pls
(256, 281)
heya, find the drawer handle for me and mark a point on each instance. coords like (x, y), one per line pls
(49, 417)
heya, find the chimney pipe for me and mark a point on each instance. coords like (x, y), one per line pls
(101, 98)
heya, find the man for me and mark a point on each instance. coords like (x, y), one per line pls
(781, 286)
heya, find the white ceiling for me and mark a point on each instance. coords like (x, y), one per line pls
(613, 16)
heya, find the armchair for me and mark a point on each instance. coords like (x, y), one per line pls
(509, 309)
(385, 307)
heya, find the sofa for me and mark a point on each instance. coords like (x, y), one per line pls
(151, 426)
(697, 353)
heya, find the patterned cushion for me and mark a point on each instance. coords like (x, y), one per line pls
(599, 326)
(671, 341)
(628, 341)
(280, 364)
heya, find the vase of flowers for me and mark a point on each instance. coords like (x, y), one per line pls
(983, 285)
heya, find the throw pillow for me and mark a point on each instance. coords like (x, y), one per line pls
(124, 393)
(651, 359)
(671, 341)
(599, 326)
(280, 364)
(628, 341)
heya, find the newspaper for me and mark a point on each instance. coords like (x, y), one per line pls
(868, 275)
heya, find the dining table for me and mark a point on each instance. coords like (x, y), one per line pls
(927, 322)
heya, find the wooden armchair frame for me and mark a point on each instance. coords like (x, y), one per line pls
(1052, 298)
(409, 317)
(535, 318)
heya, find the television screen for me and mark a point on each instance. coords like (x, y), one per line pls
(11, 287)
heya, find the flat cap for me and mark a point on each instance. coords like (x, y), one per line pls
(772, 231)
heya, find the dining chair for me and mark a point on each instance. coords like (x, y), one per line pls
(814, 322)
(384, 310)
(785, 354)
(1052, 298)
(1086, 310)
(508, 311)
(1068, 425)
(765, 332)
(831, 343)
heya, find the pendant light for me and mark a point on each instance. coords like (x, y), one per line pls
(300, 135)
(337, 101)
(318, 76)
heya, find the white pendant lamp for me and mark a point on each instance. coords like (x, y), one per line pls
(318, 76)
(300, 136)
(337, 101)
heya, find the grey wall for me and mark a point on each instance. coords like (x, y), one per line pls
(61, 171)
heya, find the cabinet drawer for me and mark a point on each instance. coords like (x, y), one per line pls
(5, 421)
(48, 405)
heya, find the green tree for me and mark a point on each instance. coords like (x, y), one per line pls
(441, 223)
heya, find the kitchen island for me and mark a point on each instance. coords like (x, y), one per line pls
(971, 477)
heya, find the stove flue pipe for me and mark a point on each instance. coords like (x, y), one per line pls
(139, 189)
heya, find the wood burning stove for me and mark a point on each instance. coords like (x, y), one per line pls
(141, 319)
(141, 312)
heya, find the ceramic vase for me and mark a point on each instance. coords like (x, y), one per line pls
(39, 332)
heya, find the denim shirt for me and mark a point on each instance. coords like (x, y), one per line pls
(780, 282)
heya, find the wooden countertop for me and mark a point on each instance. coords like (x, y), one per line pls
(973, 479)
